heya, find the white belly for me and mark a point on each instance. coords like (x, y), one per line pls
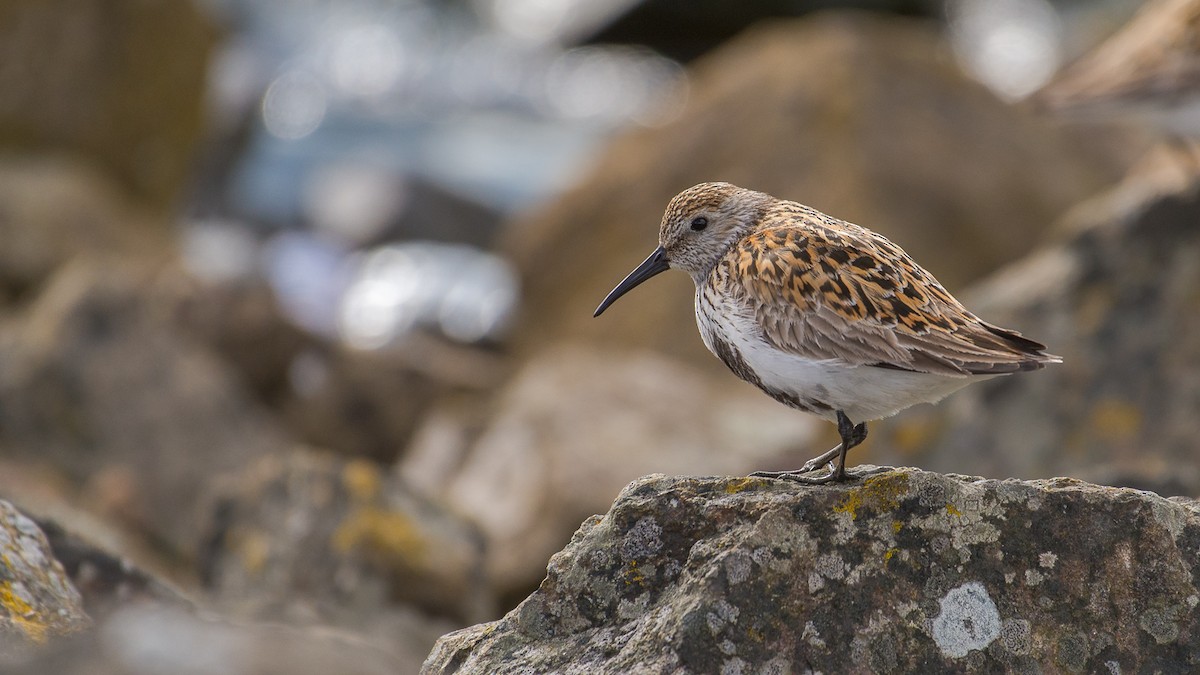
(863, 393)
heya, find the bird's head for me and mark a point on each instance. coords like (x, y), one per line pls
(698, 227)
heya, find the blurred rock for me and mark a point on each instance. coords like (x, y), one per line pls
(142, 639)
(240, 321)
(120, 83)
(106, 581)
(903, 572)
(1145, 71)
(313, 535)
(52, 210)
(359, 403)
(37, 600)
(370, 403)
(96, 382)
(574, 426)
(865, 118)
(1119, 300)
(109, 564)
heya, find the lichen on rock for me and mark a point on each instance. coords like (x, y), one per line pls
(37, 600)
(900, 571)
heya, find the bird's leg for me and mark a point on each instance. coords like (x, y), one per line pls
(858, 435)
(851, 434)
(821, 460)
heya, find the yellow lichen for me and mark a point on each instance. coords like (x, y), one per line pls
(890, 552)
(383, 532)
(737, 485)
(633, 575)
(361, 479)
(953, 510)
(896, 525)
(22, 614)
(881, 493)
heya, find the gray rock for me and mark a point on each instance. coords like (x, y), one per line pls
(240, 321)
(37, 600)
(361, 403)
(311, 536)
(106, 581)
(903, 571)
(98, 384)
(364, 403)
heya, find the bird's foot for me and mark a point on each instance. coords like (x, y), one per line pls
(809, 466)
(801, 476)
(852, 434)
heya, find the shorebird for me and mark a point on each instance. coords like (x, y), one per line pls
(823, 315)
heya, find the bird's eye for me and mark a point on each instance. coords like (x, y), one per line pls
(699, 223)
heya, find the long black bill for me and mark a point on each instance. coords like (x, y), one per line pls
(656, 263)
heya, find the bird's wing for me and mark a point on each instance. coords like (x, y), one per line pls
(850, 295)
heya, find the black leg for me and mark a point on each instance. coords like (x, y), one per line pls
(851, 434)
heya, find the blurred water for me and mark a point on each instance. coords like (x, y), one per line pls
(217, 251)
(1013, 46)
(465, 294)
(414, 86)
(351, 103)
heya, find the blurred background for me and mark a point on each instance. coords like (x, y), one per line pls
(297, 362)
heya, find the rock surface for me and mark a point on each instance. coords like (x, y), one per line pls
(107, 582)
(312, 535)
(903, 571)
(360, 403)
(98, 384)
(1118, 297)
(573, 427)
(864, 118)
(370, 403)
(37, 600)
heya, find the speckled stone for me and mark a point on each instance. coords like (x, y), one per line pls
(902, 571)
(37, 600)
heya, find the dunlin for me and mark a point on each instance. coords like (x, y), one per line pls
(821, 314)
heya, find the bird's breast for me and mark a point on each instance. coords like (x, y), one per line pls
(821, 387)
(732, 335)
